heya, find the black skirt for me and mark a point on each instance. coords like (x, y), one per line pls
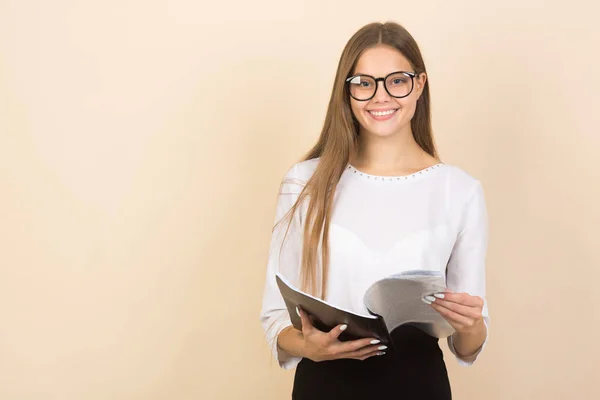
(414, 370)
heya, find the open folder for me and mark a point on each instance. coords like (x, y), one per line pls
(392, 301)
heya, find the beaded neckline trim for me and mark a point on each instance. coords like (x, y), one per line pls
(393, 178)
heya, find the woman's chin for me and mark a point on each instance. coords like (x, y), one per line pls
(383, 133)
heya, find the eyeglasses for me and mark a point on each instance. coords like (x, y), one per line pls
(398, 84)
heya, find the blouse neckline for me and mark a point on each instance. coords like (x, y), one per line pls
(393, 178)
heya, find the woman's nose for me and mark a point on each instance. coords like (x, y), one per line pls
(381, 94)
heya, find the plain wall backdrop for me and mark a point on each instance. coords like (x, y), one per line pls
(142, 144)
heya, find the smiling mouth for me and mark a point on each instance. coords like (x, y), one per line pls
(382, 115)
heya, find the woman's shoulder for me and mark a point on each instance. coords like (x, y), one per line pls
(302, 171)
(460, 180)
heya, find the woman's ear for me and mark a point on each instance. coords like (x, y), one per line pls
(420, 83)
(422, 79)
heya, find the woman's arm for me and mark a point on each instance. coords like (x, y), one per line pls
(291, 341)
(284, 257)
(464, 313)
(464, 305)
(468, 344)
(288, 344)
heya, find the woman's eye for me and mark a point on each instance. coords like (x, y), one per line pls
(398, 81)
(365, 84)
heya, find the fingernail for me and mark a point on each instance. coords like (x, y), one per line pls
(425, 300)
(439, 295)
(381, 353)
(343, 327)
(382, 348)
(375, 341)
(298, 312)
(430, 298)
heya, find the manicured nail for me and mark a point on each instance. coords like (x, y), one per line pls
(439, 295)
(430, 298)
(382, 348)
(425, 300)
(343, 327)
(381, 353)
(298, 312)
(375, 341)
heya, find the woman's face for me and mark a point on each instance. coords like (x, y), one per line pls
(384, 115)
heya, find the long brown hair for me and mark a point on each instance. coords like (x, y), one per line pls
(338, 140)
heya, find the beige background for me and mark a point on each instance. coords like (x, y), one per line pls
(141, 148)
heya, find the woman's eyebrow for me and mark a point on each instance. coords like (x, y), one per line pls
(363, 73)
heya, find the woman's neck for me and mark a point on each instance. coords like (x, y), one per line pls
(394, 154)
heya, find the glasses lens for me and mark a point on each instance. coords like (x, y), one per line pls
(362, 87)
(399, 85)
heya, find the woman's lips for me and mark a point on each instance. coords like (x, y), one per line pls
(382, 115)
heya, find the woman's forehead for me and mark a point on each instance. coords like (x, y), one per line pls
(380, 61)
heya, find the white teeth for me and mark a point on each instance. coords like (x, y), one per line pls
(381, 114)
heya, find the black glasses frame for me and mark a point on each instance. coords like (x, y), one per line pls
(412, 76)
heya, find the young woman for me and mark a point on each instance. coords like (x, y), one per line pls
(372, 199)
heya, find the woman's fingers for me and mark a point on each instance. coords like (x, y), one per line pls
(461, 310)
(365, 352)
(326, 346)
(307, 326)
(336, 332)
(469, 311)
(374, 353)
(454, 318)
(464, 299)
(354, 345)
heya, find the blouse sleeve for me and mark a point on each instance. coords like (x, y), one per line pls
(284, 257)
(466, 266)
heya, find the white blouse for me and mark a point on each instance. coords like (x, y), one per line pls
(434, 219)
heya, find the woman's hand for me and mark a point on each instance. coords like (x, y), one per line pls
(322, 346)
(461, 310)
